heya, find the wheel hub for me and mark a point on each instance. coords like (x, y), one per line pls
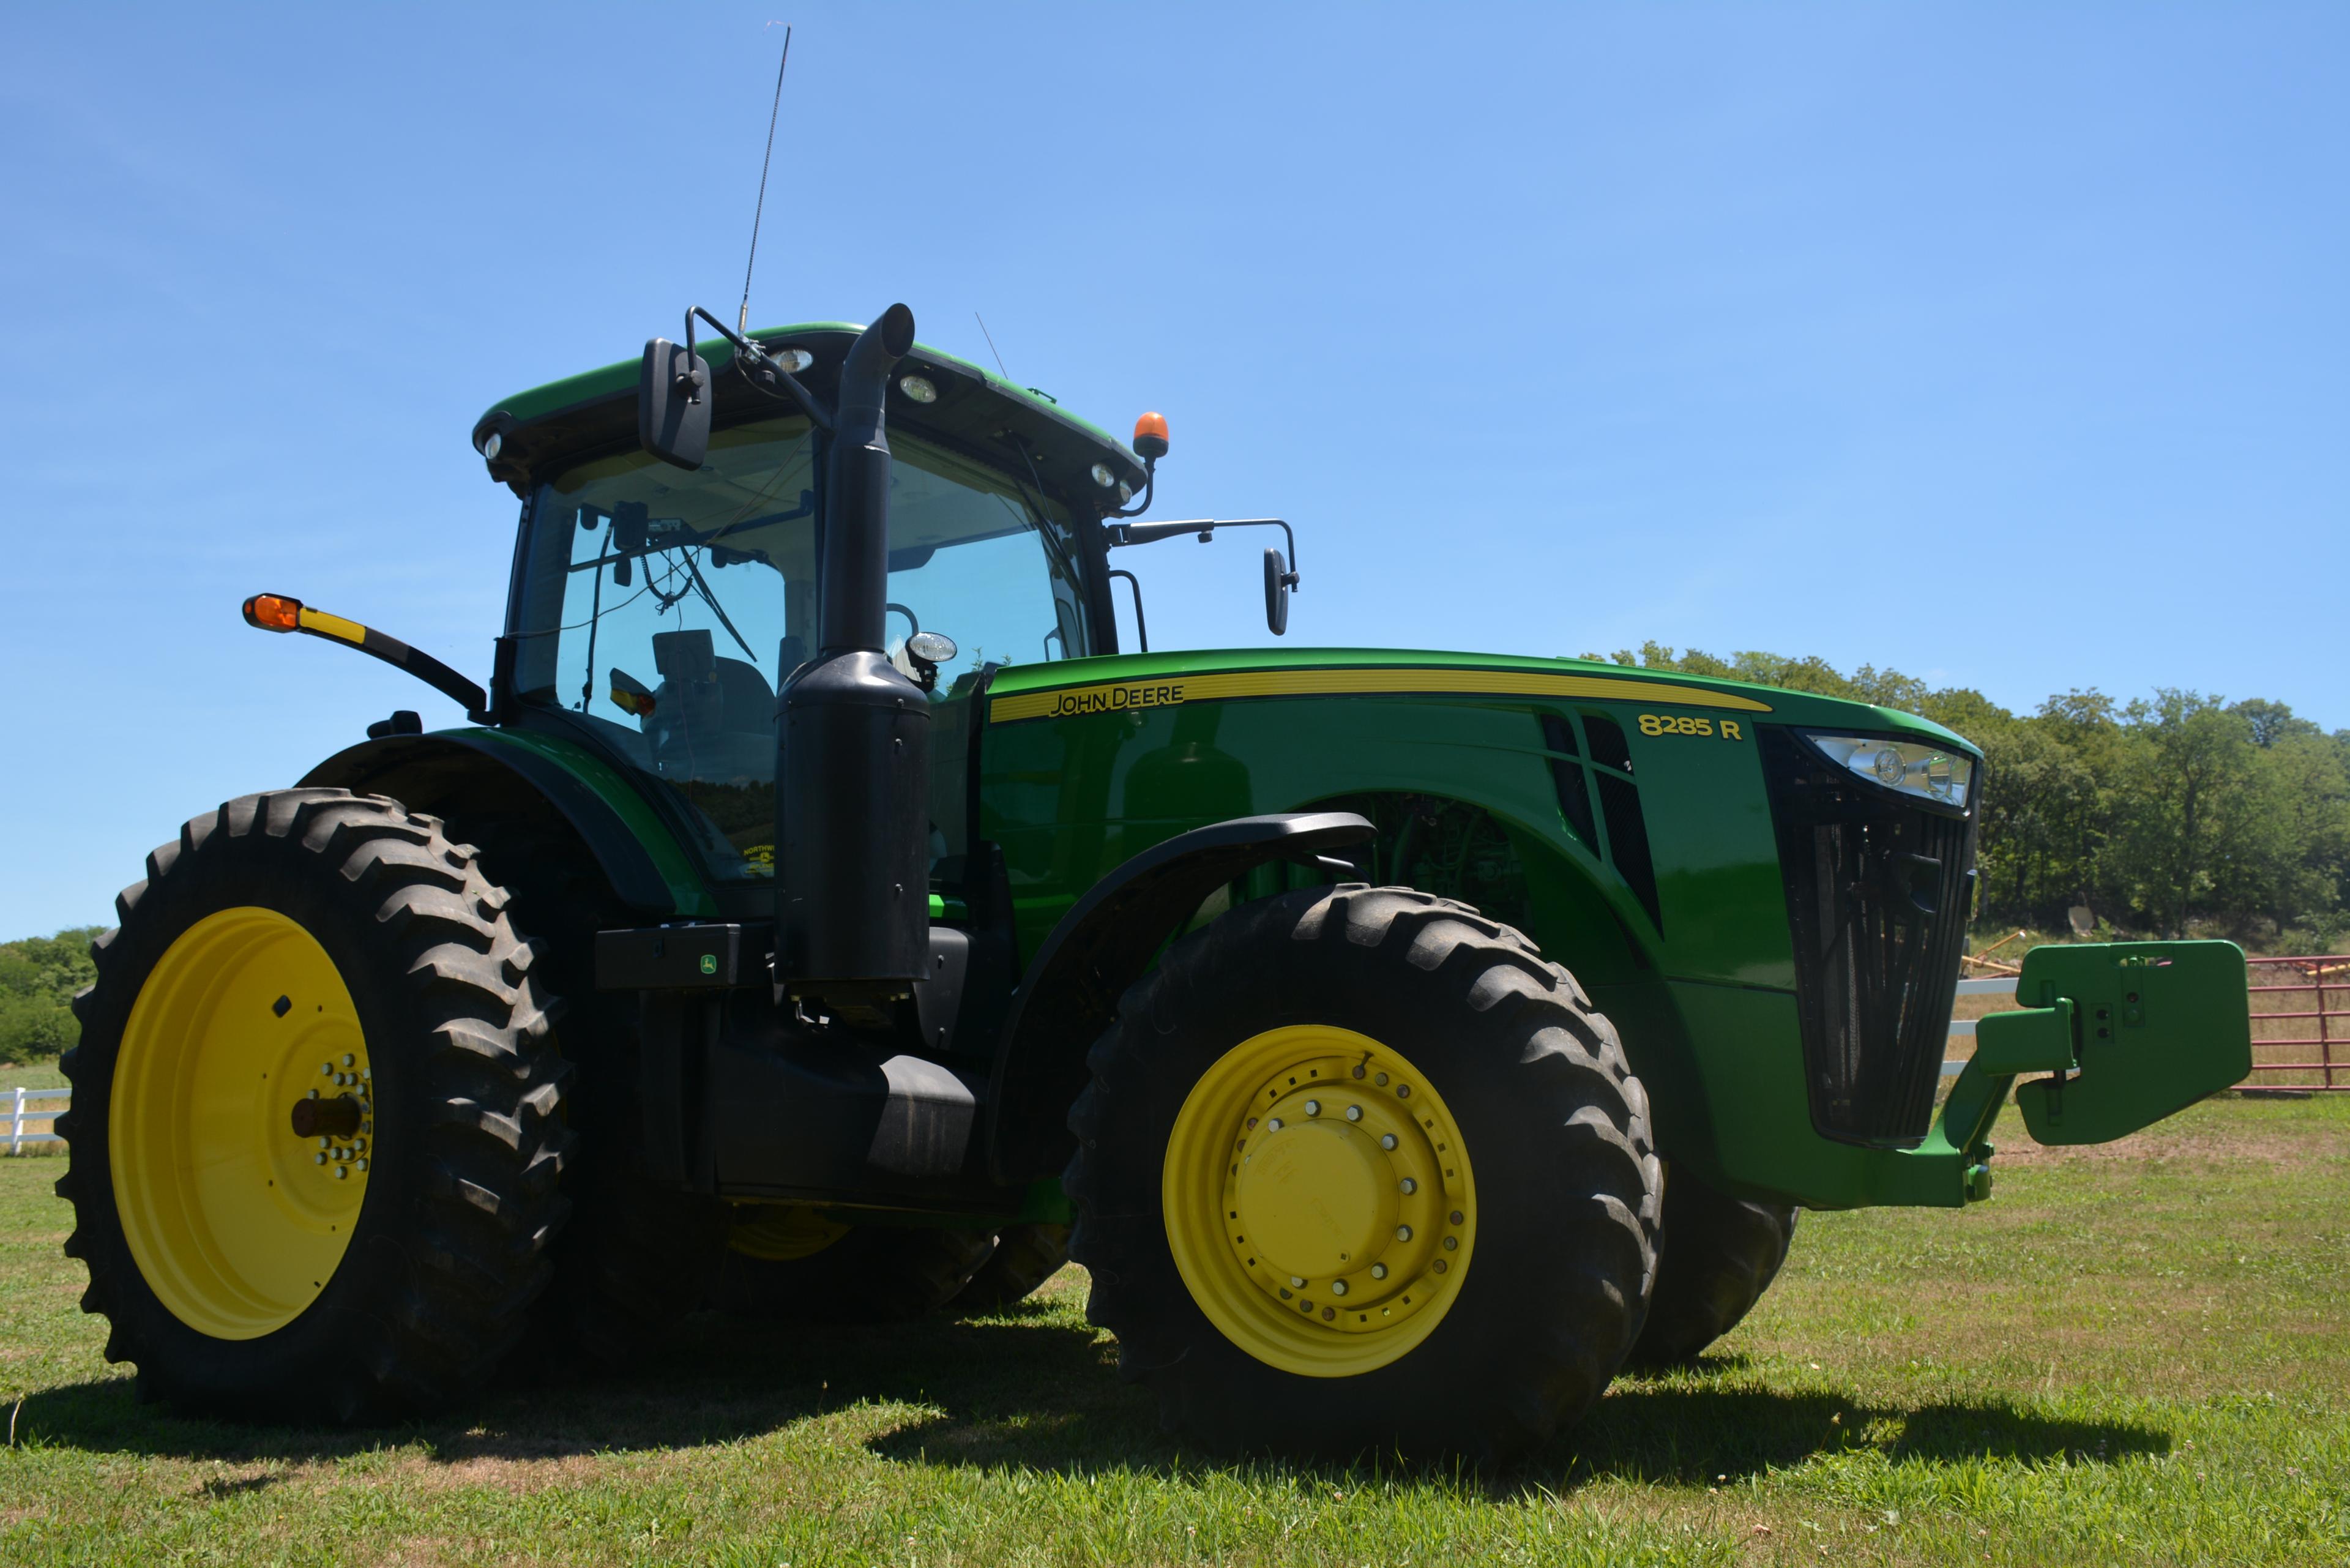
(1316, 1195)
(1318, 1200)
(242, 1034)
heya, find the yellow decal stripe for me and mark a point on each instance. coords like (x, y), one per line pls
(327, 625)
(1117, 696)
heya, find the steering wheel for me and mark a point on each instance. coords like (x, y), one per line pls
(901, 610)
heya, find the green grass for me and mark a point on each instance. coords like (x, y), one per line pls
(2137, 1353)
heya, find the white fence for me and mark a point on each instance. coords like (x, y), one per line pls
(2002, 986)
(31, 1105)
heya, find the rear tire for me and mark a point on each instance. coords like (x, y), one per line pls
(844, 1274)
(254, 1272)
(1721, 1254)
(636, 1257)
(1026, 1256)
(1526, 1144)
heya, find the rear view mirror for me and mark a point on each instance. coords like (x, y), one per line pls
(1278, 580)
(674, 399)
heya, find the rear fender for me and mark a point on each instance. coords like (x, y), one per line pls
(457, 771)
(1070, 993)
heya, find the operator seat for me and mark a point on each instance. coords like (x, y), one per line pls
(713, 719)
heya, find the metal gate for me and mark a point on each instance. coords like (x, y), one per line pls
(2301, 1022)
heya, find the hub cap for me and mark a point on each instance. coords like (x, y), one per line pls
(1318, 1200)
(237, 1221)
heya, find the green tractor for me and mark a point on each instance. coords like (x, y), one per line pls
(832, 914)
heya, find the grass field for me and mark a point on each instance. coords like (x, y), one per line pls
(2140, 1354)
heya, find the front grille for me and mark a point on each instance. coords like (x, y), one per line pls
(1877, 897)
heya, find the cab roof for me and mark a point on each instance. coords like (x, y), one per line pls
(594, 413)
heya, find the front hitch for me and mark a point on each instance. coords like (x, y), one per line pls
(2129, 1032)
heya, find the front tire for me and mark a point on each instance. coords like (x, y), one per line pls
(1358, 1171)
(1721, 1254)
(382, 1261)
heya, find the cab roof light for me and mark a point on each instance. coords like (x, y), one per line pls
(1151, 437)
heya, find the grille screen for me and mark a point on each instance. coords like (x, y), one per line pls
(1877, 898)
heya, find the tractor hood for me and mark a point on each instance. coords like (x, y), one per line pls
(1160, 679)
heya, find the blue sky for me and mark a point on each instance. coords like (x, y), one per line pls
(2004, 346)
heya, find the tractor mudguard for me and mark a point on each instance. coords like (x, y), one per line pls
(1069, 992)
(452, 769)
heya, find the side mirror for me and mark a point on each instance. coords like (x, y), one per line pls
(1278, 580)
(673, 400)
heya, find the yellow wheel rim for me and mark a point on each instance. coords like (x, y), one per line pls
(783, 1233)
(1319, 1201)
(236, 1222)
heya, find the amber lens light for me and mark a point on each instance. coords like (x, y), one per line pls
(1150, 435)
(273, 612)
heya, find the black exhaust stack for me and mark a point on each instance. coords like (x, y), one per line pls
(852, 768)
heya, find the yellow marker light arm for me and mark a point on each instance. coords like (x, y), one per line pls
(280, 612)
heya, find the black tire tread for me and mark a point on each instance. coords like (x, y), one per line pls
(1026, 1256)
(1569, 1057)
(1721, 1254)
(474, 1232)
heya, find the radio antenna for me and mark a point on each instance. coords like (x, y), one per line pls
(992, 349)
(743, 320)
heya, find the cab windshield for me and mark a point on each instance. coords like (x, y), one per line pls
(663, 608)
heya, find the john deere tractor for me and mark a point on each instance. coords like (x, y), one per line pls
(835, 911)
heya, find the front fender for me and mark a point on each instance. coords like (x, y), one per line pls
(451, 770)
(1109, 937)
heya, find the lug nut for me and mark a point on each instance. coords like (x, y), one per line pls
(349, 1060)
(1408, 1185)
(363, 1165)
(1386, 1140)
(1338, 1287)
(1442, 1265)
(1403, 1091)
(1456, 1217)
(1381, 1080)
(1312, 1107)
(1378, 1270)
(319, 1159)
(1273, 1125)
(1354, 1113)
(1296, 1284)
(1403, 1232)
(1452, 1243)
(1359, 1072)
(328, 1068)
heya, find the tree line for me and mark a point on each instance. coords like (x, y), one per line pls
(2172, 815)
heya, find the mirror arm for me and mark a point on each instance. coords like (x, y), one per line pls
(1151, 533)
(753, 361)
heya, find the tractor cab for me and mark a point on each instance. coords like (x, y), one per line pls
(658, 611)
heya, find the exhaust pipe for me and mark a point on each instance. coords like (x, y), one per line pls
(852, 768)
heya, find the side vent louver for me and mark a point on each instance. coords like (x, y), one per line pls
(1574, 797)
(1620, 807)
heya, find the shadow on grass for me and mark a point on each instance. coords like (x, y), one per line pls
(1035, 1390)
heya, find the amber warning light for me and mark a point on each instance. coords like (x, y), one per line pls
(273, 612)
(1150, 436)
